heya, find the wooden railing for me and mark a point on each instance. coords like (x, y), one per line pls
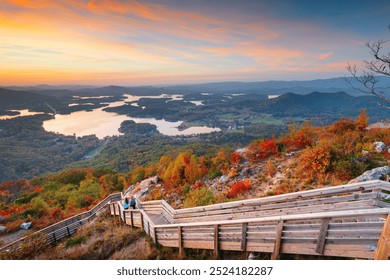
(345, 221)
(66, 227)
(353, 196)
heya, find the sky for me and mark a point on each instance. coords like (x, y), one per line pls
(134, 42)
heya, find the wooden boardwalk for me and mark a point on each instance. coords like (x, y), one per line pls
(344, 221)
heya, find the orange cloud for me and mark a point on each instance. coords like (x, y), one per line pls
(325, 56)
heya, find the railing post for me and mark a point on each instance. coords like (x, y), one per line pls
(322, 236)
(216, 241)
(67, 229)
(124, 216)
(131, 219)
(111, 209)
(142, 221)
(154, 235)
(278, 241)
(119, 214)
(243, 236)
(383, 248)
(180, 241)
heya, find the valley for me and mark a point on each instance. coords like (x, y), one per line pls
(44, 130)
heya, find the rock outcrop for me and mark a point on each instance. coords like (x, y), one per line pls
(142, 188)
(379, 146)
(3, 229)
(380, 173)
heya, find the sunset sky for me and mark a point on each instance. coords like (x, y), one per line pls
(101, 42)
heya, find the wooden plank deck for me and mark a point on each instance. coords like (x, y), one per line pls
(159, 219)
(344, 221)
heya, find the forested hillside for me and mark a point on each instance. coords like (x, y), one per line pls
(306, 157)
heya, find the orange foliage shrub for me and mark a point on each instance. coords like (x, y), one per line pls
(342, 126)
(270, 168)
(378, 134)
(316, 160)
(361, 121)
(239, 187)
(38, 189)
(299, 139)
(56, 214)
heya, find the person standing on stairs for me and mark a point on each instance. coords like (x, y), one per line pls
(133, 201)
(126, 203)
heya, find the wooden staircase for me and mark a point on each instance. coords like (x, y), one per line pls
(350, 221)
(344, 221)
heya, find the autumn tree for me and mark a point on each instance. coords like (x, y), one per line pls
(361, 121)
(367, 78)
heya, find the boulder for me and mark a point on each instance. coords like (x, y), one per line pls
(3, 229)
(375, 174)
(26, 225)
(145, 185)
(148, 182)
(223, 179)
(379, 146)
(253, 256)
(241, 150)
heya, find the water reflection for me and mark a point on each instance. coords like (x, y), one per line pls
(22, 113)
(102, 123)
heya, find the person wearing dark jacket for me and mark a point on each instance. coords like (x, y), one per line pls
(133, 201)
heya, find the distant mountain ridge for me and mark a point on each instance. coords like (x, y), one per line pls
(315, 104)
(338, 84)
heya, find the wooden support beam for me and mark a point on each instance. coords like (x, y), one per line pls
(278, 241)
(124, 217)
(54, 237)
(216, 241)
(131, 219)
(142, 221)
(180, 241)
(322, 236)
(243, 236)
(383, 248)
(111, 209)
(67, 230)
(154, 235)
(119, 214)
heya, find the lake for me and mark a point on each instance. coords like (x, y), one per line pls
(22, 113)
(102, 123)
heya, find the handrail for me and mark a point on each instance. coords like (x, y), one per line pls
(351, 231)
(368, 185)
(334, 214)
(64, 223)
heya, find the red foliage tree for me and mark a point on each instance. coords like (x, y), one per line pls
(239, 187)
(235, 158)
(262, 149)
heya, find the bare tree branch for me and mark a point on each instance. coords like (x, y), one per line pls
(366, 78)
